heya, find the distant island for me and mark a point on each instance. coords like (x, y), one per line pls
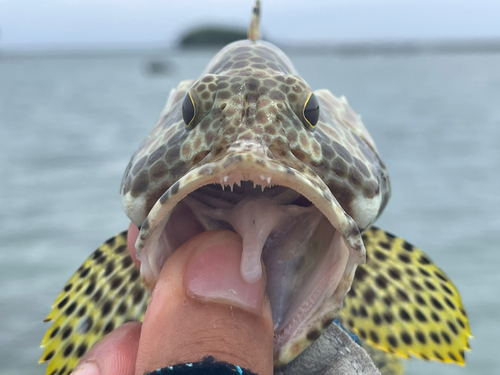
(211, 36)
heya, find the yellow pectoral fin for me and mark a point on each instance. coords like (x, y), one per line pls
(402, 303)
(105, 292)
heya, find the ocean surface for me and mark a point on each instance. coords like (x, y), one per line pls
(68, 127)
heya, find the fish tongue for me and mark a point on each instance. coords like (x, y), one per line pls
(254, 220)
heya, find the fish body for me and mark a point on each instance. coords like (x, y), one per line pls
(250, 147)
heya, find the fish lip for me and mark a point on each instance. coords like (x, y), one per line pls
(253, 169)
(252, 166)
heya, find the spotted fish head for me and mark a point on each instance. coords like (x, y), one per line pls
(251, 148)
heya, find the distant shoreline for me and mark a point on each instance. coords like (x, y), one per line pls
(479, 46)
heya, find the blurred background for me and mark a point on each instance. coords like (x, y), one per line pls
(82, 82)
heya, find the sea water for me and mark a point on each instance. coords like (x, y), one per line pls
(68, 127)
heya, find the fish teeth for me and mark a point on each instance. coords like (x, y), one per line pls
(268, 180)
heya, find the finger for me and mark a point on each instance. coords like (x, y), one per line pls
(202, 306)
(115, 354)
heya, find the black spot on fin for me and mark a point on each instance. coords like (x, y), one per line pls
(409, 306)
(100, 296)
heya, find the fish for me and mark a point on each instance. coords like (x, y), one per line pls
(250, 147)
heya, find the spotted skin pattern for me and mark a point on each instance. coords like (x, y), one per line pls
(249, 116)
(106, 291)
(251, 92)
(404, 304)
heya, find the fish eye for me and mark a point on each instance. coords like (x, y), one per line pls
(310, 112)
(188, 110)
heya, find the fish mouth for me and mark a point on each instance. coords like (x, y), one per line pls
(310, 247)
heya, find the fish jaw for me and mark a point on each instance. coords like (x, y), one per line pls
(309, 312)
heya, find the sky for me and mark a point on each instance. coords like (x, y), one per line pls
(73, 23)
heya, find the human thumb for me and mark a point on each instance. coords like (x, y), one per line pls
(201, 306)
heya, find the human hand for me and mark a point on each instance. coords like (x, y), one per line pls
(200, 307)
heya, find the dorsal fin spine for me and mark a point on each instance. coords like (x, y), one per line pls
(254, 29)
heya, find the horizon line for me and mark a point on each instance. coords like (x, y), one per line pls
(386, 46)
